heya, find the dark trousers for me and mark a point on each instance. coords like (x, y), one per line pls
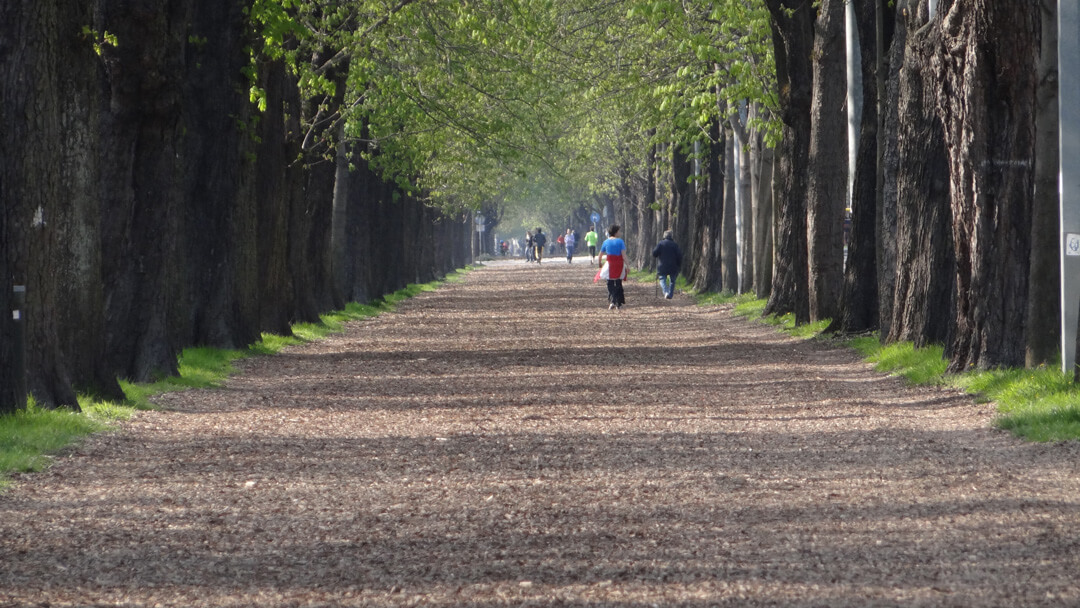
(615, 293)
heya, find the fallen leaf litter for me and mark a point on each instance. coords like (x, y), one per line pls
(510, 441)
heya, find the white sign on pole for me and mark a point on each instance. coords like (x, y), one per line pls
(1072, 244)
(1069, 104)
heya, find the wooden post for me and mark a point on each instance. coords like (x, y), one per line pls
(18, 320)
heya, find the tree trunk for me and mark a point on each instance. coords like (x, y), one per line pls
(49, 192)
(342, 264)
(708, 214)
(682, 194)
(860, 298)
(729, 243)
(764, 159)
(828, 166)
(793, 37)
(277, 181)
(1044, 304)
(890, 165)
(220, 219)
(986, 77)
(143, 187)
(643, 220)
(747, 180)
(29, 179)
(925, 268)
(312, 220)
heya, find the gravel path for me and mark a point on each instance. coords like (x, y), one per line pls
(510, 441)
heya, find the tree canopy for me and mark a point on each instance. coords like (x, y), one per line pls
(536, 103)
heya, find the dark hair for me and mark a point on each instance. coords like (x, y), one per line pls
(613, 230)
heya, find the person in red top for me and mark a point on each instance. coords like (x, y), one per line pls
(612, 251)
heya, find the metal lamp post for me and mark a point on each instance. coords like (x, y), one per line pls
(1069, 110)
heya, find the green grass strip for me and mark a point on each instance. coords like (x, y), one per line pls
(28, 437)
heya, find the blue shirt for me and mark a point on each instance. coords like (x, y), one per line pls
(613, 246)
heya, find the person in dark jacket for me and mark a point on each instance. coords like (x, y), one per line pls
(670, 257)
(539, 239)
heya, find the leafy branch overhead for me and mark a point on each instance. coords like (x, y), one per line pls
(470, 102)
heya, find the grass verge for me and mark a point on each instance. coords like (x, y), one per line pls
(28, 437)
(1039, 405)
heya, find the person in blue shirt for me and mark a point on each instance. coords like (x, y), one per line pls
(613, 251)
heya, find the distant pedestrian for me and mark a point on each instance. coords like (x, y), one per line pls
(590, 239)
(539, 239)
(570, 241)
(670, 256)
(530, 247)
(612, 251)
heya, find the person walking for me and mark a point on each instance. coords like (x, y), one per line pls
(570, 240)
(530, 247)
(670, 263)
(539, 239)
(590, 240)
(612, 251)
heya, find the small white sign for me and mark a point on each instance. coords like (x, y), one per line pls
(16, 315)
(1072, 244)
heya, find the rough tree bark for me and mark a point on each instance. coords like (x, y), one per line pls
(679, 205)
(343, 265)
(746, 227)
(924, 284)
(729, 243)
(221, 236)
(986, 72)
(28, 178)
(793, 37)
(277, 184)
(764, 206)
(748, 168)
(828, 164)
(885, 239)
(312, 218)
(708, 213)
(49, 192)
(143, 186)
(641, 222)
(860, 298)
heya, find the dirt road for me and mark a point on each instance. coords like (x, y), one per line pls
(510, 441)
